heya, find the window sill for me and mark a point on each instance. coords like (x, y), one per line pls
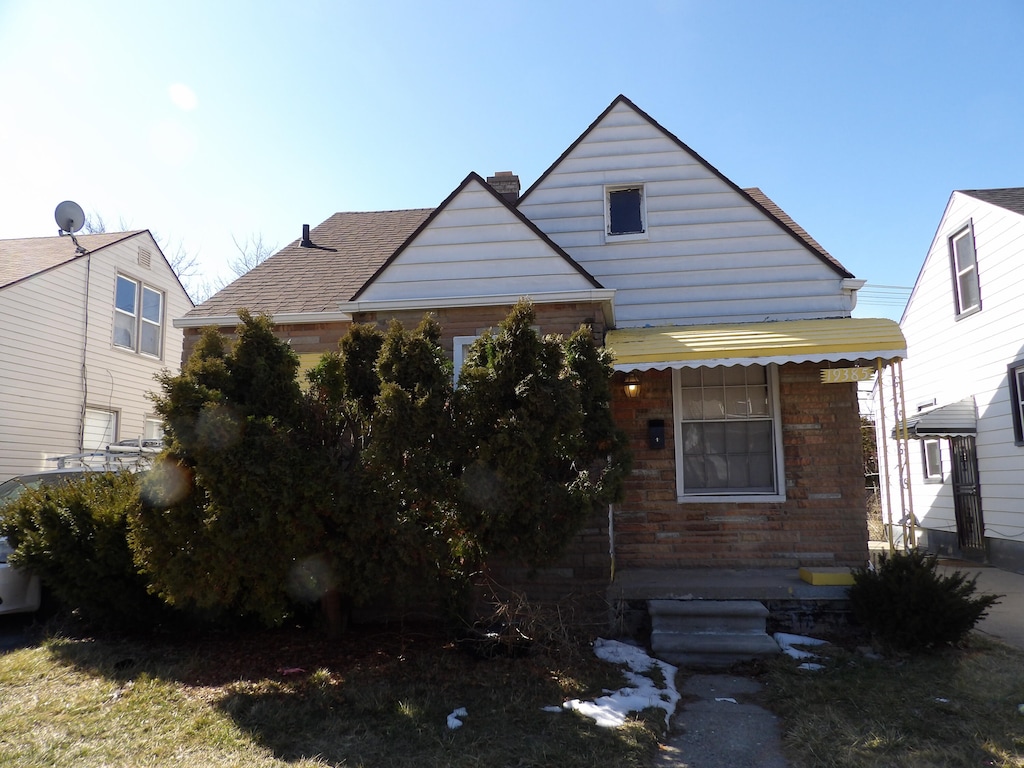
(736, 498)
(625, 238)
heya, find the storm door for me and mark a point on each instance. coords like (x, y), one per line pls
(970, 529)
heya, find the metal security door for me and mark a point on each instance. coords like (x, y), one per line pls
(970, 529)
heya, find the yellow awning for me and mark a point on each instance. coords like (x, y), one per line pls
(843, 339)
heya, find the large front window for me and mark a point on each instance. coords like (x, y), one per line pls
(138, 317)
(727, 443)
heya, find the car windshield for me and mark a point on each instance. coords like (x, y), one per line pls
(13, 488)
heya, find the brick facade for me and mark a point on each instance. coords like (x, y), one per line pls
(309, 338)
(821, 522)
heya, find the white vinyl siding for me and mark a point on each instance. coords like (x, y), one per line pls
(475, 247)
(53, 371)
(950, 359)
(708, 254)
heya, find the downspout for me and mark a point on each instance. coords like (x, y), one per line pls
(85, 348)
(611, 542)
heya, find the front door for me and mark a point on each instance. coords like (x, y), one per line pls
(970, 529)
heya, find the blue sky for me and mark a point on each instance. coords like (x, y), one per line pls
(207, 120)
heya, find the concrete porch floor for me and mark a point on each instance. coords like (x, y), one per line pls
(717, 584)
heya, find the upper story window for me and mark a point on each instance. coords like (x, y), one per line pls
(963, 259)
(625, 212)
(138, 317)
(728, 436)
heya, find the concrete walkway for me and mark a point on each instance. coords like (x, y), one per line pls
(1005, 620)
(720, 724)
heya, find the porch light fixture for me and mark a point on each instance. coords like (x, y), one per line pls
(632, 385)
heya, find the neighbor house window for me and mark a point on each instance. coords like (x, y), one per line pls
(931, 457)
(100, 429)
(964, 261)
(625, 212)
(152, 428)
(1016, 376)
(728, 444)
(138, 317)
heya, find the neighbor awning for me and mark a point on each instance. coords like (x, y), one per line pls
(952, 420)
(786, 341)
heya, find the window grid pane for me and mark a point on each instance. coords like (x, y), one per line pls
(624, 215)
(966, 266)
(727, 431)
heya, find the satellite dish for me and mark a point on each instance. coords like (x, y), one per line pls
(70, 216)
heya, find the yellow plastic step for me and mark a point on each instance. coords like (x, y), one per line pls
(827, 577)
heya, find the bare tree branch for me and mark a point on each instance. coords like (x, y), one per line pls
(252, 253)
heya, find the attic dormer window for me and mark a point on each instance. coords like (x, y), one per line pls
(625, 212)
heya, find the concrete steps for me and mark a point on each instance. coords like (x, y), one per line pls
(709, 633)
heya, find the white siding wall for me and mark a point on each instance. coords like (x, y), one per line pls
(475, 247)
(710, 256)
(41, 323)
(41, 347)
(949, 359)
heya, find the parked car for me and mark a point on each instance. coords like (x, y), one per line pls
(21, 592)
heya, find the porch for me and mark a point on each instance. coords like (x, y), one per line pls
(713, 609)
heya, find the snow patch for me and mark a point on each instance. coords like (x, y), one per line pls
(612, 709)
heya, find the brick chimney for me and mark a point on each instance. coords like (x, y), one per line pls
(506, 184)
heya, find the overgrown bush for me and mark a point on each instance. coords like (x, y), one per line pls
(909, 606)
(73, 535)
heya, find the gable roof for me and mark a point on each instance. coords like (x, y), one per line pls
(475, 178)
(26, 257)
(1010, 198)
(349, 249)
(770, 210)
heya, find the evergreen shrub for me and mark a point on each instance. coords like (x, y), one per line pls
(909, 606)
(74, 536)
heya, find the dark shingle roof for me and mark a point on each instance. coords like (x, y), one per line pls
(29, 256)
(769, 205)
(351, 247)
(1010, 198)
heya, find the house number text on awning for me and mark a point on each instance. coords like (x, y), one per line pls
(845, 375)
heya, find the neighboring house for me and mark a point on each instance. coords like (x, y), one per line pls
(82, 334)
(964, 383)
(720, 310)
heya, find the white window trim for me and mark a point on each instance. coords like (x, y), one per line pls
(139, 320)
(780, 464)
(625, 237)
(965, 231)
(458, 358)
(929, 476)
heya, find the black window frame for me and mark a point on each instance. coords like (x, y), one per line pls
(1016, 394)
(625, 207)
(968, 230)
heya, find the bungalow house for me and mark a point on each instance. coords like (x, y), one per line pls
(964, 385)
(721, 311)
(83, 331)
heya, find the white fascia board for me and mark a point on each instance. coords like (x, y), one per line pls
(604, 295)
(289, 318)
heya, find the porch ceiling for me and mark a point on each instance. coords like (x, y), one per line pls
(787, 341)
